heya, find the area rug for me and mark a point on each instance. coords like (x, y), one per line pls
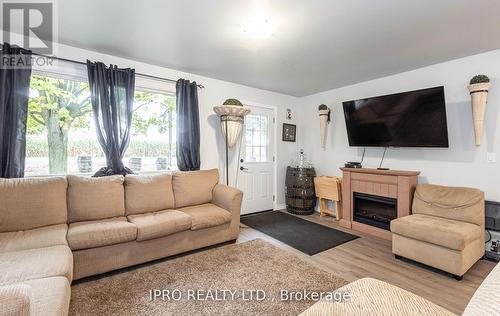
(301, 234)
(252, 267)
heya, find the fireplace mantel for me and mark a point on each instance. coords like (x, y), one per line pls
(395, 184)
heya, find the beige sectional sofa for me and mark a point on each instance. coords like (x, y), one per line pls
(54, 230)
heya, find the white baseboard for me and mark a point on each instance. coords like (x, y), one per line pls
(280, 206)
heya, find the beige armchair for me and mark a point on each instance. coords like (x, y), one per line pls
(445, 230)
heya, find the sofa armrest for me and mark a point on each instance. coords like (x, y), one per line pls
(228, 198)
(15, 299)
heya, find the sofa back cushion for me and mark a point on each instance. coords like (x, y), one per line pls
(145, 194)
(194, 187)
(32, 202)
(95, 198)
(461, 204)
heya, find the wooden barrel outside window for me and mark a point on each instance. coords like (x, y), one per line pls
(299, 190)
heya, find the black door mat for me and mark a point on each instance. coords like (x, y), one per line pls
(303, 235)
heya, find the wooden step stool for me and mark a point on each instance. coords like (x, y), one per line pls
(329, 189)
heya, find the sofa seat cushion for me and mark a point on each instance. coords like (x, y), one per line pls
(48, 236)
(206, 215)
(159, 224)
(49, 296)
(19, 266)
(99, 233)
(437, 230)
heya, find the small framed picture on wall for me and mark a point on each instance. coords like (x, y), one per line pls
(289, 132)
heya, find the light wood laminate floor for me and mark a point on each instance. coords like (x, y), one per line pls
(370, 256)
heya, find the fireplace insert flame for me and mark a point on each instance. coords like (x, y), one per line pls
(377, 211)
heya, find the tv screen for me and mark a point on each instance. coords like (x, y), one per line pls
(409, 119)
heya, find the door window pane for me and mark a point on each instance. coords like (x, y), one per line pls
(256, 138)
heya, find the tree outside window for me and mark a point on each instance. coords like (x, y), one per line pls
(55, 107)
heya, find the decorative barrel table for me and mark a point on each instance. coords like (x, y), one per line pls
(299, 190)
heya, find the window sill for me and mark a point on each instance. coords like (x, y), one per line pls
(89, 174)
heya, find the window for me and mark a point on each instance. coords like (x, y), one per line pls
(152, 143)
(58, 139)
(61, 136)
(256, 138)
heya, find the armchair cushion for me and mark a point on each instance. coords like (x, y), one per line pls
(460, 204)
(437, 230)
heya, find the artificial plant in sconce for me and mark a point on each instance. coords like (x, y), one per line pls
(478, 88)
(324, 119)
(231, 114)
(233, 102)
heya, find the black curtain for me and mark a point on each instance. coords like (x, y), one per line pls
(14, 95)
(188, 126)
(112, 95)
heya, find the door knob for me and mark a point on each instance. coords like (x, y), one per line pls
(243, 168)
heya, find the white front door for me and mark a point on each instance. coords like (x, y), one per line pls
(256, 168)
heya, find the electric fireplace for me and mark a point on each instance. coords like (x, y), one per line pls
(373, 210)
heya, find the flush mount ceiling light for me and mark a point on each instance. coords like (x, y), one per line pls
(259, 28)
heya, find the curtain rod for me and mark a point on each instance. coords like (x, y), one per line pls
(137, 73)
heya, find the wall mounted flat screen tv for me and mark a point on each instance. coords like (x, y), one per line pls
(409, 119)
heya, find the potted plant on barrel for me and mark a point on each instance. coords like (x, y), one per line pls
(478, 88)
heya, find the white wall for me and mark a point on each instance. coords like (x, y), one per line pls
(463, 164)
(215, 92)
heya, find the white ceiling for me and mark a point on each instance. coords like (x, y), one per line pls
(317, 45)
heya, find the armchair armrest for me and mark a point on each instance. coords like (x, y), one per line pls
(228, 198)
(15, 299)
